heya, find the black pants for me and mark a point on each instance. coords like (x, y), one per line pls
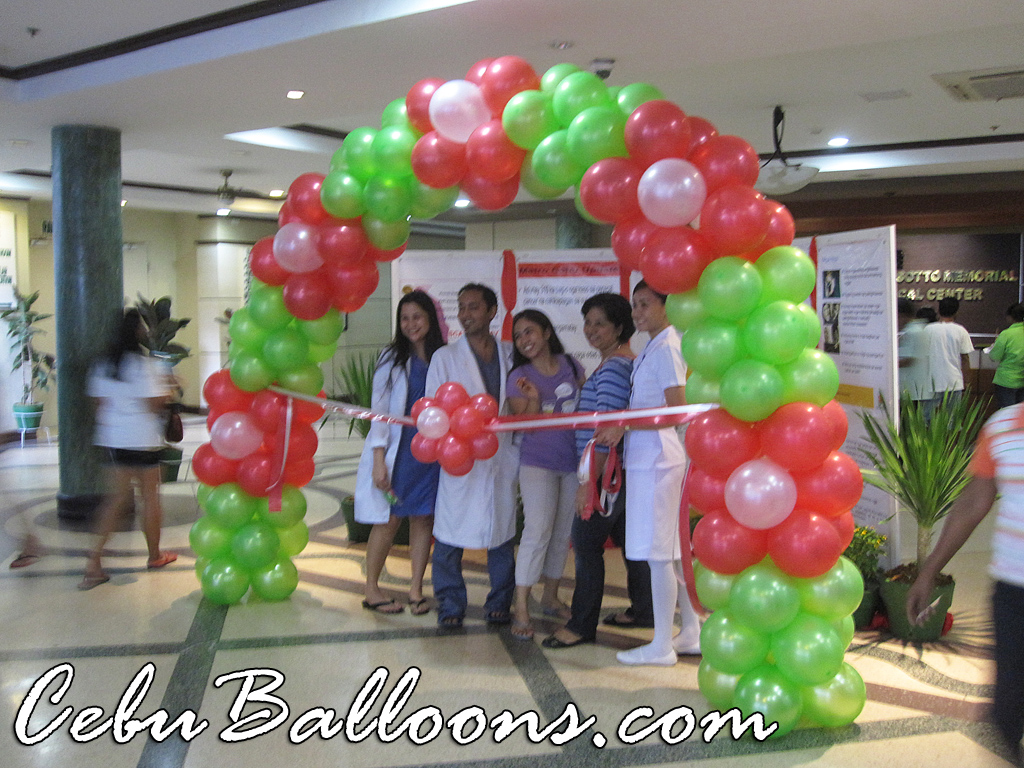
(1008, 707)
(588, 540)
(1005, 397)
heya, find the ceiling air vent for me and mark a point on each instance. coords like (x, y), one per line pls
(983, 84)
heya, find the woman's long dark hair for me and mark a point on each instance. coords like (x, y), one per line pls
(125, 341)
(538, 318)
(400, 349)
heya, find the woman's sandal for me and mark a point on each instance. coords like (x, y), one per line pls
(419, 607)
(559, 611)
(23, 560)
(88, 582)
(166, 558)
(553, 641)
(521, 630)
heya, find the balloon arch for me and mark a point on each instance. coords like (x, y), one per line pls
(767, 476)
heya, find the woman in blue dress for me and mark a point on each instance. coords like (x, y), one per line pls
(391, 484)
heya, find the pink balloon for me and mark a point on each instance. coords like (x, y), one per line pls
(457, 108)
(295, 248)
(671, 192)
(235, 435)
(432, 422)
(760, 494)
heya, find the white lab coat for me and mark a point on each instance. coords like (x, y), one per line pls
(390, 390)
(478, 509)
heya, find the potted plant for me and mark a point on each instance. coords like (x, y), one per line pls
(922, 463)
(864, 552)
(37, 368)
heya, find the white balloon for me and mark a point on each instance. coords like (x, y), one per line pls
(432, 422)
(457, 108)
(671, 192)
(235, 435)
(295, 247)
(760, 494)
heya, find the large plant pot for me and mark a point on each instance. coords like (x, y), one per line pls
(894, 595)
(28, 417)
(170, 464)
(359, 533)
(865, 612)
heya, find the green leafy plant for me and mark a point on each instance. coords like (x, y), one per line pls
(356, 376)
(922, 463)
(865, 550)
(37, 368)
(161, 328)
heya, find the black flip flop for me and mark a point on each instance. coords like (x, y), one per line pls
(377, 607)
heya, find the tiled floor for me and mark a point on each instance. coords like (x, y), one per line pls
(306, 660)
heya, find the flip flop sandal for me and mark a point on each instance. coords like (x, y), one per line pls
(24, 560)
(498, 617)
(449, 623)
(89, 582)
(554, 642)
(419, 607)
(166, 558)
(380, 607)
(521, 630)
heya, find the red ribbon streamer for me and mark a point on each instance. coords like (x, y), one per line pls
(686, 546)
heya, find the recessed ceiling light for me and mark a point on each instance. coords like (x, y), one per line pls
(296, 94)
(462, 203)
(223, 211)
(276, 193)
(838, 141)
(562, 45)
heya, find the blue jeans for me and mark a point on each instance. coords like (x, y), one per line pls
(450, 586)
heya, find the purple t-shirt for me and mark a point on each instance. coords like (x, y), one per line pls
(553, 449)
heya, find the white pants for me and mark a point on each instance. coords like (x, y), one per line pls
(549, 505)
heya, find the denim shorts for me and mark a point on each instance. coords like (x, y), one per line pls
(131, 457)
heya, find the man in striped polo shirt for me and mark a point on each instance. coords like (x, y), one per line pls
(997, 471)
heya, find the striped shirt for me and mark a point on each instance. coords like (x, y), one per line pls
(1000, 457)
(607, 389)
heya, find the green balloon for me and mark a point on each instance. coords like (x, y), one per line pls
(323, 330)
(305, 379)
(554, 164)
(392, 150)
(701, 389)
(813, 324)
(597, 133)
(788, 274)
(633, 95)
(751, 390)
(203, 492)
(684, 310)
(836, 702)
(337, 162)
(711, 347)
(550, 79)
(529, 118)
(293, 539)
(293, 508)
(718, 687)
(276, 581)
(730, 288)
(730, 645)
(429, 202)
(200, 565)
(808, 650)
(255, 545)
(249, 372)
(775, 333)
(246, 332)
(389, 198)
(285, 348)
(208, 539)
(532, 184)
(321, 353)
(395, 113)
(811, 378)
(341, 195)
(357, 152)
(576, 92)
(834, 594)
(224, 582)
(846, 629)
(230, 507)
(267, 308)
(764, 598)
(766, 690)
(712, 587)
(386, 235)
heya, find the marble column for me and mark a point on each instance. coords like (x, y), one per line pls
(573, 231)
(89, 278)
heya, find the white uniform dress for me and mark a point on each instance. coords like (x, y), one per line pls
(390, 390)
(655, 460)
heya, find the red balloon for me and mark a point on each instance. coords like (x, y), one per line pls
(477, 71)
(845, 526)
(269, 410)
(700, 131)
(417, 103)
(376, 254)
(454, 455)
(450, 396)
(419, 405)
(797, 436)
(838, 423)
(213, 415)
(304, 198)
(734, 219)
(707, 492)
(286, 215)
(307, 295)
(302, 442)
(466, 422)
(424, 449)
(488, 195)
(212, 468)
(674, 258)
(439, 162)
(608, 189)
(504, 78)
(718, 442)
(487, 406)
(804, 545)
(724, 160)
(345, 244)
(257, 472)
(221, 393)
(299, 473)
(723, 545)
(491, 155)
(781, 228)
(628, 241)
(484, 445)
(655, 130)
(263, 264)
(352, 286)
(831, 488)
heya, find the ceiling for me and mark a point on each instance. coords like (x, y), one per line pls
(177, 78)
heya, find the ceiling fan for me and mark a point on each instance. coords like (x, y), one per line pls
(778, 176)
(227, 194)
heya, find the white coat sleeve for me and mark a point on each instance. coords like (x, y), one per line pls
(380, 431)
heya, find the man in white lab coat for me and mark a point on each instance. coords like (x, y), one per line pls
(476, 510)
